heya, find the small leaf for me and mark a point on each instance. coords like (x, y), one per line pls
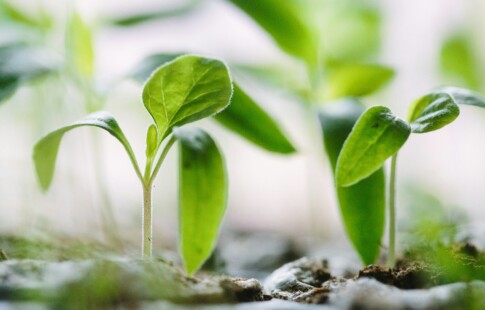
(151, 143)
(356, 80)
(145, 68)
(376, 136)
(464, 96)
(20, 64)
(186, 90)
(282, 21)
(203, 195)
(459, 61)
(432, 112)
(80, 50)
(46, 149)
(246, 118)
(362, 205)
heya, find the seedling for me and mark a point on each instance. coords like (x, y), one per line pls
(379, 134)
(182, 91)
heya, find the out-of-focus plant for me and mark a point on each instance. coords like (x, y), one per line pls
(459, 62)
(336, 41)
(182, 91)
(379, 134)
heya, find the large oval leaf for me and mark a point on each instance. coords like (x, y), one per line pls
(362, 205)
(247, 119)
(357, 80)
(432, 112)
(186, 90)
(203, 195)
(376, 136)
(46, 149)
(282, 21)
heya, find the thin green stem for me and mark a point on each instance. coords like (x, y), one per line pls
(147, 222)
(391, 260)
(147, 181)
(167, 147)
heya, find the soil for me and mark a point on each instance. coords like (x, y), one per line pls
(422, 279)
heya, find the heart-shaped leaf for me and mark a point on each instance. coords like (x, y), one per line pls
(203, 195)
(362, 205)
(46, 149)
(246, 118)
(356, 80)
(376, 136)
(186, 90)
(432, 112)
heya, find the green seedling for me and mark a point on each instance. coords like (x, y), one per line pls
(182, 91)
(334, 41)
(244, 116)
(379, 134)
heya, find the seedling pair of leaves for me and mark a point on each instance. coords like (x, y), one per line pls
(378, 135)
(182, 91)
(244, 116)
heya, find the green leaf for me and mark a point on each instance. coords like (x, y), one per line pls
(356, 80)
(137, 19)
(432, 112)
(186, 90)
(12, 13)
(145, 68)
(281, 20)
(376, 136)
(203, 195)
(362, 205)
(459, 61)
(246, 118)
(151, 143)
(20, 64)
(80, 50)
(46, 149)
(464, 96)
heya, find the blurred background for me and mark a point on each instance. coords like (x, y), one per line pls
(426, 43)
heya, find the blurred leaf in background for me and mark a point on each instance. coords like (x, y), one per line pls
(356, 80)
(11, 13)
(153, 15)
(21, 64)
(460, 63)
(245, 117)
(79, 47)
(285, 23)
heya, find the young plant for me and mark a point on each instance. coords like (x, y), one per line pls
(182, 91)
(379, 134)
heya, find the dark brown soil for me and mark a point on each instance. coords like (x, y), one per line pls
(406, 276)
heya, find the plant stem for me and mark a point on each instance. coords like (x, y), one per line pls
(147, 221)
(147, 182)
(392, 213)
(167, 147)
